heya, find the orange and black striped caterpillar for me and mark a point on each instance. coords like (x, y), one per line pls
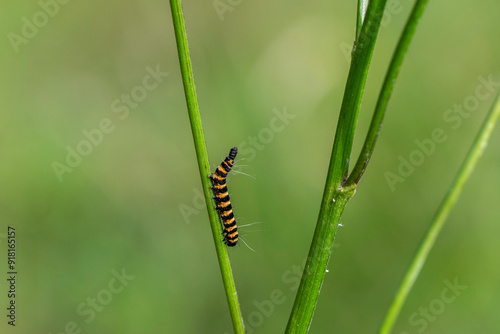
(221, 197)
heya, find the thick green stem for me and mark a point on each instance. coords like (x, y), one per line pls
(444, 209)
(330, 211)
(316, 265)
(203, 164)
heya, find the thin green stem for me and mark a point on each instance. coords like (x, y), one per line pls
(361, 12)
(385, 93)
(330, 211)
(349, 111)
(203, 164)
(444, 209)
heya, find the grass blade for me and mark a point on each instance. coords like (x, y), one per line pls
(444, 209)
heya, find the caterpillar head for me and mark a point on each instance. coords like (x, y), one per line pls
(232, 153)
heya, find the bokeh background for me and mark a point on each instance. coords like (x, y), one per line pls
(133, 203)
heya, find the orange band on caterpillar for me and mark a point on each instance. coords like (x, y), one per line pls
(221, 197)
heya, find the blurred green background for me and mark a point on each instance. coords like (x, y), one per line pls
(132, 204)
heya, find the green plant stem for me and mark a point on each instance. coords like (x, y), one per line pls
(385, 93)
(330, 211)
(203, 164)
(361, 12)
(447, 204)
